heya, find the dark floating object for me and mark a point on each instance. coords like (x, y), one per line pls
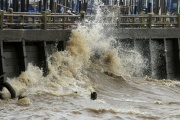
(9, 87)
(21, 97)
(93, 95)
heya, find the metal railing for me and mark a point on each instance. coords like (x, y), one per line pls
(149, 21)
(48, 20)
(44, 20)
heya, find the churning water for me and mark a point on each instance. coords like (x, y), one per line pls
(91, 62)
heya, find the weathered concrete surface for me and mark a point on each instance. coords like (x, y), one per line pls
(61, 35)
(147, 33)
(34, 35)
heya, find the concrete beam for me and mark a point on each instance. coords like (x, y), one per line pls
(147, 33)
(34, 35)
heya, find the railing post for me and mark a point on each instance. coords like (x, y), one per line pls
(82, 13)
(1, 61)
(44, 20)
(118, 20)
(133, 22)
(10, 18)
(141, 21)
(118, 23)
(48, 12)
(22, 19)
(178, 20)
(1, 19)
(150, 20)
(63, 20)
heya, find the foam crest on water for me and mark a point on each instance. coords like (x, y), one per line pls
(31, 76)
(132, 63)
(102, 110)
(164, 82)
(77, 45)
(67, 70)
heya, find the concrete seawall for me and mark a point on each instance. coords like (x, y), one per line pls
(148, 33)
(34, 35)
(20, 47)
(160, 46)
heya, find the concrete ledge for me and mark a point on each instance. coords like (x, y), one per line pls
(147, 33)
(34, 35)
(63, 35)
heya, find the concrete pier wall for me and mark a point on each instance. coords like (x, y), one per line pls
(160, 46)
(19, 47)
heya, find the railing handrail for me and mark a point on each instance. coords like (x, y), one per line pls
(22, 15)
(63, 16)
(38, 15)
(138, 15)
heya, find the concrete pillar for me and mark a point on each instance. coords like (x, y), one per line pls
(1, 61)
(43, 57)
(22, 58)
(158, 59)
(172, 58)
